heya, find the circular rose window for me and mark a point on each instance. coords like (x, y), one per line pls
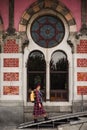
(47, 31)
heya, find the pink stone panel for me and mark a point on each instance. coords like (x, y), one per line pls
(75, 7)
(11, 46)
(82, 76)
(20, 7)
(1, 27)
(82, 46)
(11, 90)
(11, 62)
(4, 12)
(11, 76)
(81, 62)
(82, 90)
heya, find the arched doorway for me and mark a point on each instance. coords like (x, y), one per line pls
(36, 71)
(48, 30)
(59, 77)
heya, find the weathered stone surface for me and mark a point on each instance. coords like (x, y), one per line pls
(11, 115)
(73, 127)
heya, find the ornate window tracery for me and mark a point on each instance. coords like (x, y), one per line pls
(47, 31)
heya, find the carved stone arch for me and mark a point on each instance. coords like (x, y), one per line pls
(1, 24)
(47, 4)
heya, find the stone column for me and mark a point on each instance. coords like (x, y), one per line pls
(48, 82)
(11, 29)
(83, 29)
(83, 12)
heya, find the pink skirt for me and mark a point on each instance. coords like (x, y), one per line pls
(38, 111)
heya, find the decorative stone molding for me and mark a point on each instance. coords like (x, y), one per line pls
(72, 41)
(24, 40)
(20, 37)
(82, 32)
(71, 45)
(54, 5)
(38, 6)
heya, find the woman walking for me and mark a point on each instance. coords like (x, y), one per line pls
(38, 106)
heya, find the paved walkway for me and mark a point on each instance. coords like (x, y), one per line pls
(14, 128)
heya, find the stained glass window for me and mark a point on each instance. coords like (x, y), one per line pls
(47, 31)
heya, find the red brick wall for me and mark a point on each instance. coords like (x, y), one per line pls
(82, 90)
(81, 76)
(11, 62)
(10, 90)
(11, 76)
(81, 62)
(82, 47)
(11, 46)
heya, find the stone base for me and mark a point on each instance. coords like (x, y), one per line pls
(79, 106)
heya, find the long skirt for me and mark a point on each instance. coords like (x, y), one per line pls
(38, 111)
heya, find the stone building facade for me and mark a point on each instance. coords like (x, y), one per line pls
(55, 32)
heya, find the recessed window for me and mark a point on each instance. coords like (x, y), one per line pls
(36, 71)
(59, 77)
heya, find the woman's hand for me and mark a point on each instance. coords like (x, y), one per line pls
(39, 105)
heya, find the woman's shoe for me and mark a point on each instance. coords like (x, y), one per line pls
(35, 121)
(46, 118)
